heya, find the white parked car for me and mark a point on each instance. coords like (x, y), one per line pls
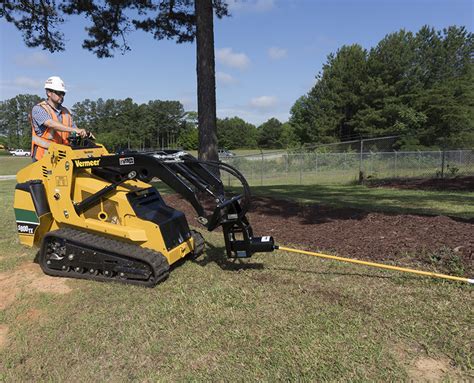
(225, 153)
(20, 153)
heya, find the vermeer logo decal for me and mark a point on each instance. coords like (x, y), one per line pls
(127, 161)
(83, 164)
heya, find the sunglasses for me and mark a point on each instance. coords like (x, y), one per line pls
(57, 92)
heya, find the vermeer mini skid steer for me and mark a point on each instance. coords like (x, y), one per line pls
(94, 215)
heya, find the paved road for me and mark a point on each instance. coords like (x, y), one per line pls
(5, 178)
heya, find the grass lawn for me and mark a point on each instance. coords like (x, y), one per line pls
(10, 165)
(274, 317)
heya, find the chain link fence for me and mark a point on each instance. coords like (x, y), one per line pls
(283, 168)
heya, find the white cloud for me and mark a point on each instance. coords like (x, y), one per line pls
(263, 102)
(27, 82)
(232, 59)
(20, 85)
(23, 83)
(225, 78)
(251, 5)
(35, 59)
(276, 53)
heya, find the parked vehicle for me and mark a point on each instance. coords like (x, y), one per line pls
(225, 153)
(20, 153)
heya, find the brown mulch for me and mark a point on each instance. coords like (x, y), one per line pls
(454, 184)
(403, 238)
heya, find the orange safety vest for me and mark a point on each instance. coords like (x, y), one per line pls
(40, 144)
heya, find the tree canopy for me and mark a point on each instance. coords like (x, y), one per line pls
(235, 133)
(15, 127)
(418, 86)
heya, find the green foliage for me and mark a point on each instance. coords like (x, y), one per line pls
(270, 133)
(449, 107)
(235, 133)
(4, 142)
(15, 127)
(189, 139)
(447, 259)
(418, 86)
(288, 137)
(120, 124)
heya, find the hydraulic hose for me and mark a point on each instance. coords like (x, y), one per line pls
(237, 174)
(378, 265)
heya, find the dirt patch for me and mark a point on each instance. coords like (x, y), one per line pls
(454, 184)
(3, 335)
(47, 284)
(423, 368)
(428, 370)
(401, 238)
(28, 277)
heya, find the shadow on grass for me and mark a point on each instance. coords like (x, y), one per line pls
(333, 273)
(217, 255)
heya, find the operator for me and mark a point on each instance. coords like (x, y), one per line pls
(50, 121)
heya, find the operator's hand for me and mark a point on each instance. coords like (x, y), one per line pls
(81, 132)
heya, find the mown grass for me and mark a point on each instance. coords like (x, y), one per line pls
(10, 165)
(273, 317)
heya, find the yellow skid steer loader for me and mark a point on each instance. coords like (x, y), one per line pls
(94, 215)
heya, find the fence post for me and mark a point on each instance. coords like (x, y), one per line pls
(419, 164)
(301, 169)
(361, 172)
(443, 155)
(396, 164)
(261, 169)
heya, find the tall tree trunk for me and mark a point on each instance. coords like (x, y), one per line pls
(206, 80)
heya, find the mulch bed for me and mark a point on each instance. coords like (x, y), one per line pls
(398, 238)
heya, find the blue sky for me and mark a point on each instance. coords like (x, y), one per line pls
(267, 54)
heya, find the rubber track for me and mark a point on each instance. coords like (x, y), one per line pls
(157, 261)
(199, 244)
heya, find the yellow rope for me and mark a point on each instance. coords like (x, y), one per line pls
(379, 265)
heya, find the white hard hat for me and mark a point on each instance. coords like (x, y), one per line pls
(55, 83)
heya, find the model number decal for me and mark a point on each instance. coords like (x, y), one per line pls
(127, 161)
(26, 229)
